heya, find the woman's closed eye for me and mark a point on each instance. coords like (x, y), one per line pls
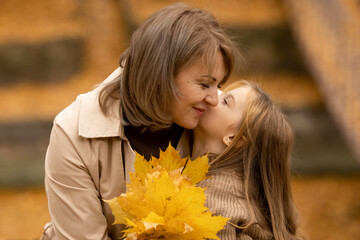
(205, 85)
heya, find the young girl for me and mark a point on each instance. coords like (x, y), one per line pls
(250, 144)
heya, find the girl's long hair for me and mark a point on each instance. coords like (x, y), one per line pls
(261, 151)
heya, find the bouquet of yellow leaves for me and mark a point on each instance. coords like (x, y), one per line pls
(162, 201)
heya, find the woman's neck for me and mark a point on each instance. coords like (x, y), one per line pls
(203, 144)
(148, 143)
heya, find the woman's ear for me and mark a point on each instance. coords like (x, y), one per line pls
(227, 140)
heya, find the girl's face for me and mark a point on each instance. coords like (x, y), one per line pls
(224, 119)
(198, 91)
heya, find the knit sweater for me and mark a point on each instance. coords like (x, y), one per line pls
(225, 197)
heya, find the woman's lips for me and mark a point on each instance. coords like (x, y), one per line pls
(200, 111)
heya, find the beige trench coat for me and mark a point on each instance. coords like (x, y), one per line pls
(84, 165)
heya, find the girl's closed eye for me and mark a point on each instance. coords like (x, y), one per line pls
(225, 101)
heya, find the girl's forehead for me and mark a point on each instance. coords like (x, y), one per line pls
(239, 94)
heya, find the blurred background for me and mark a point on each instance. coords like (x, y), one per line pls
(306, 54)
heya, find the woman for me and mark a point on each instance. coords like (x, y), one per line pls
(250, 154)
(168, 77)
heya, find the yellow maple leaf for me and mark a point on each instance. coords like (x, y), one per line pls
(197, 169)
(152, 220)
(163, 202)
(169, 159)
(117, 210)
(142, 167)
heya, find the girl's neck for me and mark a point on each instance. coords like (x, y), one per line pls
(203, 144)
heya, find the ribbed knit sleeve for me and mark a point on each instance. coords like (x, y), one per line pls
(225, 197)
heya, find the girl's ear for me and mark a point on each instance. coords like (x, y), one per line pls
(227, 140)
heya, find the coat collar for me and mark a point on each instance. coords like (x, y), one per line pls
(93, 123)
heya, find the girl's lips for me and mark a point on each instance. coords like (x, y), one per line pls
(200, 111)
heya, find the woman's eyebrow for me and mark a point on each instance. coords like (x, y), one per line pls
(211, 77)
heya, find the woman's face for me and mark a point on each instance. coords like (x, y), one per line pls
(198, 91)
(224, 119)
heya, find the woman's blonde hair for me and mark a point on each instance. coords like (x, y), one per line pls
(167, 41)
(261, 151)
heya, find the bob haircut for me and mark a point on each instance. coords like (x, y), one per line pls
(168, 40)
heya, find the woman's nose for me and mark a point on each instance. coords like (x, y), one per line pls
(212, 99)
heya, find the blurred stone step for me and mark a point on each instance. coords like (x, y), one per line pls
(319, 148)
(319, 145)
(240, 12)
(42, 62)
(268, 49)
(22, 153)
